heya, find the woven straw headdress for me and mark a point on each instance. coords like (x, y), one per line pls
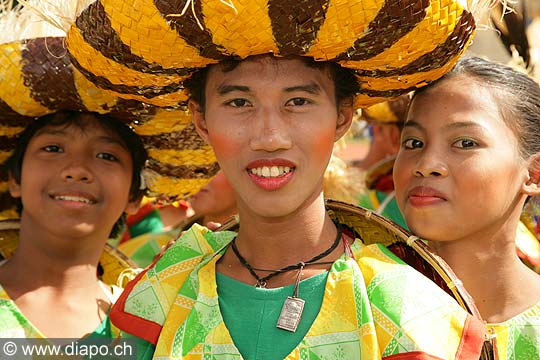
(38, 78)
(145, 49)
(131, 58)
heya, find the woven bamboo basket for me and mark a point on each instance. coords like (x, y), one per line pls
(114, 267)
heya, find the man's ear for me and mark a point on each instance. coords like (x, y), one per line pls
(532, 185)
(345, 115)
(198, 119)
(14, 187)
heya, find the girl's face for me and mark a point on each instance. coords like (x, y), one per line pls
(458, 172)
(272, 124)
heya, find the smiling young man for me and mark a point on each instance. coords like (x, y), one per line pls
(271, 86)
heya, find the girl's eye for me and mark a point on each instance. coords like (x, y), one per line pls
(298, 102)
(238, 103)
(465, 143)
(107, 156)
(53, 148)
(412, 144)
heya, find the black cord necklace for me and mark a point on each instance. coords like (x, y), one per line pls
(262, 281)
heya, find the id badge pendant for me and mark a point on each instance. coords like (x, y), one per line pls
(291, 313)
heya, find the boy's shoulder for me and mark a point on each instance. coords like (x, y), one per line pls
(142, 308)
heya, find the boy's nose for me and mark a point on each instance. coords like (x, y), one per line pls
(77, 171)
(272, 132)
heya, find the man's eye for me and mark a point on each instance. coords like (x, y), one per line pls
(238, 103)
(465, 143)
(107, 156)
(298, 102)
(52, 148)
(412, 144)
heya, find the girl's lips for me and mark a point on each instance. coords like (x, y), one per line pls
(425, 196)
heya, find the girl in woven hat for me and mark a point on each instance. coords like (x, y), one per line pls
(75, 174)
(467, 165)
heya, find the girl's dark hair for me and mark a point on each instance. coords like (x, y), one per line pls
(132, 141)
(346, 85)
(517, 95)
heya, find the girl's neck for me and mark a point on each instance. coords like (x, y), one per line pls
(500, 284)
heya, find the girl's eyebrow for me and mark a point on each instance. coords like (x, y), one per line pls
(453, 125)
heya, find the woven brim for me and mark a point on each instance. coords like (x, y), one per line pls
(144, 50)
(371, 228)
(37, 78)
(117, 268)
(391, 111)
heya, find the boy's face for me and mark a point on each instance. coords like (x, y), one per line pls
(272, 124)
(75, 180)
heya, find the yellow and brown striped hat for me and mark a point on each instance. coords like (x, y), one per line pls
(38, 78)
(145, 49)
(392, 111)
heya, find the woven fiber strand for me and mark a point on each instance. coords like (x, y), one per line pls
(39, 79)
(145, 49)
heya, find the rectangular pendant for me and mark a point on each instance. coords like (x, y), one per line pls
(291, 313)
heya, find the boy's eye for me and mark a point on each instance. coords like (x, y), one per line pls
(412, 144)
(465, 143)
(297, 102)
(107, 156)
(52, 148)
(238, 103)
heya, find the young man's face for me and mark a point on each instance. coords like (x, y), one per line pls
(272, 124)
(74, 181)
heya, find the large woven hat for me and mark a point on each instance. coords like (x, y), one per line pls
(38, 78)
(145, 50)
(393, 111)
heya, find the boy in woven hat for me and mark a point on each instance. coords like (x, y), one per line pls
(296, 281)
(465, 169)
(70, 153)
(75, 175)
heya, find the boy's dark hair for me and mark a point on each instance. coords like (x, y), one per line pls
(132, 141)
(346, 85)
(517, 95)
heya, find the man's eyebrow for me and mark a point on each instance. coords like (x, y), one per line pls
(50, 132)
(311, 88)
(112, 140)
(224, 89)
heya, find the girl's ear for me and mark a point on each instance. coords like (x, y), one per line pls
(532, 185)
(198, 119)
(345, 115)
(14, 187)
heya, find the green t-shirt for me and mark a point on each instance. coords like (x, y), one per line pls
(251, 315)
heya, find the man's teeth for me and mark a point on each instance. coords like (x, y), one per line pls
(272, 171)
(73, 198)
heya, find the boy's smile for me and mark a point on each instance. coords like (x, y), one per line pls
(75, 178)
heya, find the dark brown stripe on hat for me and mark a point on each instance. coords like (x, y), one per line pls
(12, 118)
(393, 21)
(437, 58)
(47, 73)
(187, 28)
(388, 93)
(187, 139)
(183, 171)
(148, 92)
(7, 143)
(295, 24)
(96, 29)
